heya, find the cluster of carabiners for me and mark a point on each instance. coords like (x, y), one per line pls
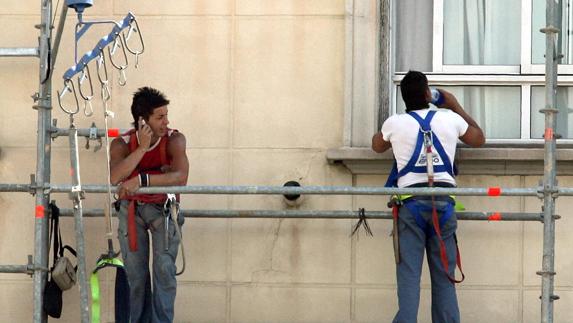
(171, 214)
(124, 38)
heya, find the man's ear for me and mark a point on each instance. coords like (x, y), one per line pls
(428, 95)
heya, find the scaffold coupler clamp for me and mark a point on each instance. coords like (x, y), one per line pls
(395, 204)
(169, 211)
(94, 136)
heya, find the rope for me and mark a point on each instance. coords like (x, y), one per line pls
(173, 213)
(105, 98)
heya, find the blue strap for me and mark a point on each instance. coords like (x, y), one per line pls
(410, 167)
(392, 180)
(416, 209)
(424, 123)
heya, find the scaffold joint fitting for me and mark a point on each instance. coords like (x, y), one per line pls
(546, 273)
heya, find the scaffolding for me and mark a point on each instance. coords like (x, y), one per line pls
(41, 186)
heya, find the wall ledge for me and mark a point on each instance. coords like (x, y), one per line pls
(470, 161)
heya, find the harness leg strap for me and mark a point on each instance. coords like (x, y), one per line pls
(131, 226)
(395, 231)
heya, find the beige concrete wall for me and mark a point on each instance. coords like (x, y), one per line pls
(257, 88)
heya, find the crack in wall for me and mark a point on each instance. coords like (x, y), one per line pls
(259, 275)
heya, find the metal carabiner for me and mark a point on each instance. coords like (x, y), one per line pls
(119, 42)
(428, 144)
(87, 98)
(68, 87)
(104, 81)
(101, 65)
(134, 27)
(122, 77)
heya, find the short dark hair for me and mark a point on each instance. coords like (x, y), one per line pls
(145, 100)
(413, 87)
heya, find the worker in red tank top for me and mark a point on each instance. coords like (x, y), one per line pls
(151, 154)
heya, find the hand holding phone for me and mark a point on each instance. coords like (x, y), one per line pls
(144, 134)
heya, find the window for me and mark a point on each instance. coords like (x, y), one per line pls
(490, 54)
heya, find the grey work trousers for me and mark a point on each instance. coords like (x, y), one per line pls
(158, 304)
(416, 234)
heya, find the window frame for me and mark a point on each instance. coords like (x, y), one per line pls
(524, 75)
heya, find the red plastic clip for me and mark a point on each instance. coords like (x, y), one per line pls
(495, 217)
(494, 191)
(113, 132)
(39, 212)
(548, 134)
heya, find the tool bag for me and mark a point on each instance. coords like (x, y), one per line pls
(63, 273)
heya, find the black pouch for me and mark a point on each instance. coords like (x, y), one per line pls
(53, 299)
(52, 292)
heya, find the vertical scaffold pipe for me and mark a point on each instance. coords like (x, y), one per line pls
(76, 196)
(43, 154)
(549, 183)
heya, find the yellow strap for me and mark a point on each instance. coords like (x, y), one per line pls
(94, 282)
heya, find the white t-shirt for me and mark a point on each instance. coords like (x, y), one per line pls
(402, 131)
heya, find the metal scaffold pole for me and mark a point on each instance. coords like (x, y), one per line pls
(42, 188)
(43, 146)
(76, 195)
(549, 181)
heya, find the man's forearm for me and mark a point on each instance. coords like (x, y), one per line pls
(172, 178)
(124, 168)
(462, 113)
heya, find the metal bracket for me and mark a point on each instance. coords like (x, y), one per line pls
(77, 196)
(94, 136)
(555, 216)
(553, 297)
(549, 29)
(546, 273)
(32, 184)
(54, 129)
(540, 190)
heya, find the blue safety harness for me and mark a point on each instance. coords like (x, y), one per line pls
(416, 208)
(411, 165)
(417, 164)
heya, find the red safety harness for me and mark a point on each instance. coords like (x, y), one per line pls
(144, 198)
(428, 144)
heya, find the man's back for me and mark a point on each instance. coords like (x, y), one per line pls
(402, 132)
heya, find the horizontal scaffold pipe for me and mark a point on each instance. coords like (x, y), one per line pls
(20, 52)
(292, 190)
(314, 190)
(88, 132)
(316, 214)
(16, 269)
(15, 188)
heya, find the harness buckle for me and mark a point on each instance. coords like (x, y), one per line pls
(428, 137)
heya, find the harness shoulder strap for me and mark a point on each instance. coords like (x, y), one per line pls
(133, 144)
(163, 150)
(425, 122)
(425, 126)
(163, 147)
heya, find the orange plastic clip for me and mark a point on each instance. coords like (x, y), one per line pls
(39, 212)
(548, 134)
(494, 191)
(113, 132)
(495, 217)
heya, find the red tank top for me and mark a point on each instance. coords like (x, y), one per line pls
(151, 163)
